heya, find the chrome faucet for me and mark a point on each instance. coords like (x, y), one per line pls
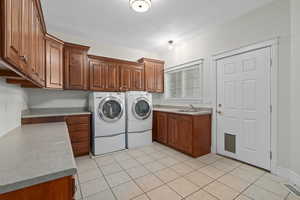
(192, 107)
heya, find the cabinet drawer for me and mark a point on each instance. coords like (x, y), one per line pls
(81, 148)
(79, 136)
(77, 120)
(79, 127)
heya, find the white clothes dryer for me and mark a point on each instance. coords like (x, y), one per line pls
(108, 122)
(139, 119)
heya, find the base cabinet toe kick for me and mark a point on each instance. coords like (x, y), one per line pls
(190, 134)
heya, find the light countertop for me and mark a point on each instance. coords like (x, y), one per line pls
(33, 154)
(176, 110)
(53, 112)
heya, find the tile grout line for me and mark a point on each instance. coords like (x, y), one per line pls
(179, 161)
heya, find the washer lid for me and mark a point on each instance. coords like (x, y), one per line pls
(110, 109)
(141, 108)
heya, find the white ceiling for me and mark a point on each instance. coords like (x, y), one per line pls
(113, 22)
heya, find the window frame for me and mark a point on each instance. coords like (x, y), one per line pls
(183, 68)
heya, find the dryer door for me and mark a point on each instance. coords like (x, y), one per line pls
(110, 109)
(141, 108)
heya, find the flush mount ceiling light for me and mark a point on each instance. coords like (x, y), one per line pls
(140, 5)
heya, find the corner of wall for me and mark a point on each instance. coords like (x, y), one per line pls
(13, 100)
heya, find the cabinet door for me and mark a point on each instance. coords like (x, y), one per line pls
(13, 29)
(185, 134)
(54, 64)
(113, 78)
(33, 41)
(137, 79)
(154, 126)
(150, 77)
(162, 127)
(25, 36)
(41, 54)
(98, 72)
(159, 78)
(126, 78)
(76, 75)
(173, 125)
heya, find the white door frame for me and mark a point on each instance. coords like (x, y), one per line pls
(273, 44)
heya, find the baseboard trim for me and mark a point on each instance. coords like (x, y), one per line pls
(292, 176)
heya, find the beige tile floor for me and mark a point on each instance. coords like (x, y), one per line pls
(157, 172)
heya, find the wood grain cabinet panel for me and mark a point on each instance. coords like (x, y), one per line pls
(76, 74)
(40, 59)
(187, 133)
(12, 31)
(104, 74)
(132, 77)
(23, 38)
(79, 130)
(173, 131)
(25, 35)
(54, 62)
(162, 127)
(125, 78)
(59, 189)
(154, 75)
(159, 78)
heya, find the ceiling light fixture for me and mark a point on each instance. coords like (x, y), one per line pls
(171, 44)
(140, 5)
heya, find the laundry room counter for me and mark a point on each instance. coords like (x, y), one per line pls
(179, 110)
(53, 112)
(35, 154)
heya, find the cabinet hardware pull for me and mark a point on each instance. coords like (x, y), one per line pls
(24, 58)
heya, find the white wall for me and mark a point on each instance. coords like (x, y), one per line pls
(13, 100)
(270, 21)
(295, 88)
(107, 50)
(42, 98)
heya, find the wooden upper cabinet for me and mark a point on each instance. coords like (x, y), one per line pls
(132, 77)
(40, 54)
(54, 62)
(154, 75)
(12, 31)
(25, 50)
(159, 78)
(76, 73)
(23, 31)
(104, 74)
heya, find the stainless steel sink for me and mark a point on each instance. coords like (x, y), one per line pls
(188, 110)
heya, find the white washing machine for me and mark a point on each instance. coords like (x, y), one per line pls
(139, 119)
(109, 122)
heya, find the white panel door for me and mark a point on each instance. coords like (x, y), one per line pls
(243, 105)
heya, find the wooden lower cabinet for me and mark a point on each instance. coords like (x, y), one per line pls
(187, 133)
(79, 127)
(161, 127)
(59, 189)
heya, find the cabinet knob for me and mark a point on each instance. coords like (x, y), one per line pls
(219, 112)
(24, 58)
